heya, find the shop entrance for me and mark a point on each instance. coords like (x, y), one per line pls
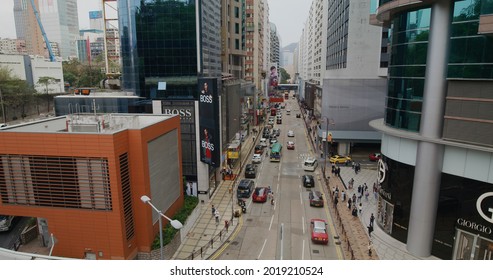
(385, 215)
(469, 246)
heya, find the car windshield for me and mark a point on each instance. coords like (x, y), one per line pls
(309, 163)
(319, 227)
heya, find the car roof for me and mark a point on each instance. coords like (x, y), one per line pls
(307, 176)
(318, 226)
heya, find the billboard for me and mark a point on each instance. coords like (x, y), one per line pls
(209, 121)
(95, 14)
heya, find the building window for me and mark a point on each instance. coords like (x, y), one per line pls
(237, 28)
(237, 12)
(237, 44)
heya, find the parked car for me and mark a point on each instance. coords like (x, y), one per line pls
(290, 145)
(339, 159)
(319, 231)
(260, 194)
(257, 158)
(308, 181)
(375, 156)
(245, 188)
(316, 198)
(259, 149)
(250, 171)
(290, 133)
(273, 139)
(288, 112)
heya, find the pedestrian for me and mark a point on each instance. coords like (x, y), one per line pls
(359, 189)
(338, 171)
(354, 212)
(366, 187)
(349, 203)
(366, 195)
(352, 165)
(369, 249)
(343, 195)
(370, 230)
(217, 217)
(360, 207)
(360, 196)
(336, 200)
(354, 198)
(372, 218)
(213, 211)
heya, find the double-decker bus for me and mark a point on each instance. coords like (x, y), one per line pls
(276, 152)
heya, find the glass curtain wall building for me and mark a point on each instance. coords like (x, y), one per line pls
(166, 46)
(436, 175)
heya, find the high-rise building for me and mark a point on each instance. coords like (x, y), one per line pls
(339, 66)
(275, 46)
(61, 23)
(436, 180)
(255, 44)
(27, 28)
(233, 38)
(170, 50)
(96, 20)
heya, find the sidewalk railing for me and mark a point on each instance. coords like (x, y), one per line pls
(344, 236)
(214, 243)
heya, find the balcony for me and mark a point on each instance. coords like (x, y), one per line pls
(388, 8)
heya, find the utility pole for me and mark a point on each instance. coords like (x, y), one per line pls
(3, 107)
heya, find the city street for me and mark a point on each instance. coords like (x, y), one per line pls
(282, 231)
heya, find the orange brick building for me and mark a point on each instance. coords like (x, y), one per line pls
(82, 176)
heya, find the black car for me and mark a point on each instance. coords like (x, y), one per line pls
(298, 116)
(245, 188)
(250, 171)
(316, 199)
(276, 131)
(308, 181)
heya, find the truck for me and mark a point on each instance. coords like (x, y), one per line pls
(6, 222)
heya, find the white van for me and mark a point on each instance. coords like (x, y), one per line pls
(288, 112)
(310, 164)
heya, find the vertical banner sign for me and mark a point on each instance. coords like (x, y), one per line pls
(209, 121)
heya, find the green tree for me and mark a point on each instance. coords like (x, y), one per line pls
(285, 77)
(46, 81)
(14, 93)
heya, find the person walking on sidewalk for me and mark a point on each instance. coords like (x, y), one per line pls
(366, 195)
(354, 199)
(360, 207)
(370, 248)
(372, 218)
(213, 211)
(343, 195)
(216, 214)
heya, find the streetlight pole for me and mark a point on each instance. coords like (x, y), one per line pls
(174, 223)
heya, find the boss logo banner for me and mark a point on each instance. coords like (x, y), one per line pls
(209, 121)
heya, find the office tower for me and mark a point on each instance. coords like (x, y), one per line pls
(61, 23)
(27, 28)
(233, 38)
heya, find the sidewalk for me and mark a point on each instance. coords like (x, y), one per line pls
(205, 237)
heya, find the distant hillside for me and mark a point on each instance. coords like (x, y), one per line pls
(291, 47)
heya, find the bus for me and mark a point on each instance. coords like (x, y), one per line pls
(276, 152)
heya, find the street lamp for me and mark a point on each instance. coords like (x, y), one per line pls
(174, 223)
(327, 122)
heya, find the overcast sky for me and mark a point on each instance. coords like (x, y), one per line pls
(288, 15)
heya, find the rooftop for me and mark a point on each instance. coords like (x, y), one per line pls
(89, 123)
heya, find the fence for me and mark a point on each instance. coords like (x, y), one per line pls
(214, 243)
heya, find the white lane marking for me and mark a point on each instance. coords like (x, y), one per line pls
(261, 250)
(271, 220)
(303, 224)
(277, 188)
(301, 198)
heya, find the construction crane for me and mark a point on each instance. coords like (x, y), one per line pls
(48, 46)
